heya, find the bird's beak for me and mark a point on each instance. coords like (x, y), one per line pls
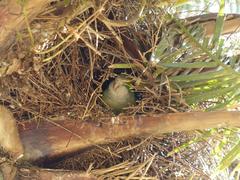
(119, 81)
(124, 80)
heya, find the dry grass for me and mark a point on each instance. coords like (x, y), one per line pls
(143, 158)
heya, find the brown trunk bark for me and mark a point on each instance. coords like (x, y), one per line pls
(208, 21)
(9, 137)
(44, 174)
(10, 172)
(50, 140)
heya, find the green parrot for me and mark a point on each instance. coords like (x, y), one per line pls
(118, 95)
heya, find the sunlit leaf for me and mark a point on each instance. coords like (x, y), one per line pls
(122, 66)
(230, 157)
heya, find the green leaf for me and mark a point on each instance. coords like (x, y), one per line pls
(219, 23)
(189, 65)
(122, 66)
(67, 2)
(204, 136)
(230, 157)
(199, 76)
(207, 95)
(211, 83)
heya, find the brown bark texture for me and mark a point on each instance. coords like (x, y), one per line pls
(9, 137)
(49, 140)
(208, 21)
(44, 174)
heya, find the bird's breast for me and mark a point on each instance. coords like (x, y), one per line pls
(119, 98)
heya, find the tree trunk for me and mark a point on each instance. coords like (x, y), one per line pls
(208, 21)
(51, 140)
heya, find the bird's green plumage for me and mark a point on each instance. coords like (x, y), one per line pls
(118, 96)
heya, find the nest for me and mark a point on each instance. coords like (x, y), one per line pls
(78, 49)
(73, 64)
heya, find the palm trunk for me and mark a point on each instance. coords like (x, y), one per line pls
(50, 140)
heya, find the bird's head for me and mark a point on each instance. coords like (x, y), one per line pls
(119, 82)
